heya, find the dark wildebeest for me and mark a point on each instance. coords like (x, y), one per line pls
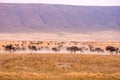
(33, 48)
(112, 49)
(73, 49)
(95, 49)
(91, 48)
(10, 48)
(55, 49)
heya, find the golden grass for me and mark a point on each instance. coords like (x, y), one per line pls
(59, 67)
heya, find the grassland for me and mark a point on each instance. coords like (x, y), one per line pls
(59, 67)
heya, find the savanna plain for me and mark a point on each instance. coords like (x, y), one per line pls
(31, 66)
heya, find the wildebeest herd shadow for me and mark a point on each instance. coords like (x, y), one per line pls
(71, 47)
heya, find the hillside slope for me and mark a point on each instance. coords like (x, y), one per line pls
(57, 18)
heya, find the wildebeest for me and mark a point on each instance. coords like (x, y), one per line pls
(112, 49)
(91, 48)
(95, 49)
(73, 49)
(32, 47)
(10, 48)
(55, 49)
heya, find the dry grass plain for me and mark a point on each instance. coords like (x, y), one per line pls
(59, 67)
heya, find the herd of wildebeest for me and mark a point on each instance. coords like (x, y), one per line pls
(57, 46)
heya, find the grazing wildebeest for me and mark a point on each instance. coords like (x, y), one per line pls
(10, 48)
(112, 49)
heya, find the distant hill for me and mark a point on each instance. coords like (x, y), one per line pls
(58, 18)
